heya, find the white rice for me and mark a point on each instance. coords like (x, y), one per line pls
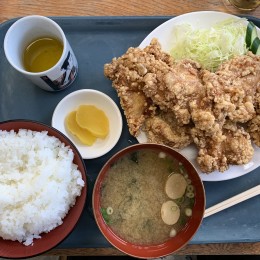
(38, 184)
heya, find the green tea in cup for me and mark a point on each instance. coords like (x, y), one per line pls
(42, 54)
(37, 47)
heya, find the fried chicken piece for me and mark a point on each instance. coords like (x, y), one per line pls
(175, 88)
(164, 129)
(203, 116)
(231, 97)
(233, 87)
(230, 145)
(127, 74)
(210, 155)
(237, 145)
(154, 48)
(136, 108)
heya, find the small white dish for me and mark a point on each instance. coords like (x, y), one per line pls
(100, 100)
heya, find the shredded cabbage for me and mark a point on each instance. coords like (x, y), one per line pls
(210, 47)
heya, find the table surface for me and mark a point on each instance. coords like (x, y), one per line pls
(16, 8)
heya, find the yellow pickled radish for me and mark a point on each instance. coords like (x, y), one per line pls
(93, 119)
(82, 134)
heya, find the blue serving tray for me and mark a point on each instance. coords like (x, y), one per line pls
(95, 41)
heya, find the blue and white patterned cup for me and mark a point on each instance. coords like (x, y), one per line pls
(22, 33)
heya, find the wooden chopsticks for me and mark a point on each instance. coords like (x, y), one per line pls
(232, 201)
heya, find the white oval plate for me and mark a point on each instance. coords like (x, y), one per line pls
(100, 100)
(163, 33)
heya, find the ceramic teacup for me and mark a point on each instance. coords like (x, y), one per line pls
(22, 33)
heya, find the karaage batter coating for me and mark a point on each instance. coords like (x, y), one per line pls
(175, 88)
(210, 152)
(237, 145)
(253, 128)
(233, 87)
(230, 145)
(164, 129)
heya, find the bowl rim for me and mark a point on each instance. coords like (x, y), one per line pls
(147, 251)
(30, 251)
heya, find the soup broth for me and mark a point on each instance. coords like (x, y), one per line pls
(133, 193)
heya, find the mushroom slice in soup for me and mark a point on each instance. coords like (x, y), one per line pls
(170, 212)
(175, 186)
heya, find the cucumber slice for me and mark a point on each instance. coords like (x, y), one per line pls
(255, 47)
(251, 34)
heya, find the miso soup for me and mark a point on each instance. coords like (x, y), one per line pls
(141, 200)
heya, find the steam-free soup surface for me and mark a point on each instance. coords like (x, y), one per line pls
(133, 193)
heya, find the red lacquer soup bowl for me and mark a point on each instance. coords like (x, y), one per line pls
(171, 244)
(14, 249)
